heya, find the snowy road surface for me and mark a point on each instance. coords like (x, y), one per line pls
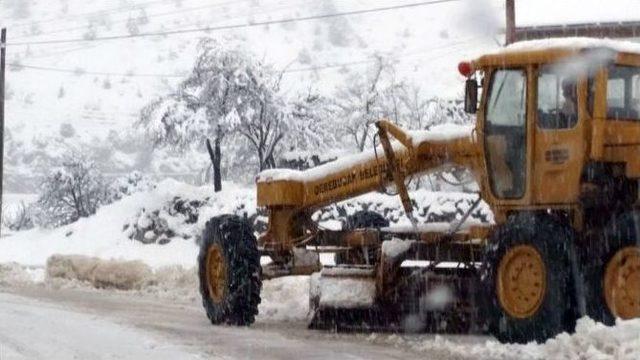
(32, 329)
(37, 323)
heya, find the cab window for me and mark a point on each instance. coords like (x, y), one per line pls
(623, 93)
(505, 133)
(557, 99)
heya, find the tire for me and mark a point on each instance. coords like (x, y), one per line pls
(361, 220)
(622, 233)
(525, 236)
(236, 300)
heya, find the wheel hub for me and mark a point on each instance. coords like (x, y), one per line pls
(216, 273)
(622, 283)
(521, 281)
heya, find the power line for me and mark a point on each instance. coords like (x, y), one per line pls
(87, 14)
(121, 21)
(235, 26)
(80, 71)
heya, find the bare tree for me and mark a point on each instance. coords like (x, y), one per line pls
(266, 126)
(360, 102)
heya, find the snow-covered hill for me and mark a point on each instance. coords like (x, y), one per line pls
(420, 39)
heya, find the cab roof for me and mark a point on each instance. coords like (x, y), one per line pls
(554, 50)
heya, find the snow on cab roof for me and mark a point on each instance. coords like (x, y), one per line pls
(572, 43)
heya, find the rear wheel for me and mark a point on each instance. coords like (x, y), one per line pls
(612, 271)
(361, 220)
(229, 271)
(525, 278)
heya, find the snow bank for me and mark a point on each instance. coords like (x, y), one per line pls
(591, 341)
(102, 235)
(283, 299)
(14, 274)
(123, 275)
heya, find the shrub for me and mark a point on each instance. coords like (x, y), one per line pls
(74, 190)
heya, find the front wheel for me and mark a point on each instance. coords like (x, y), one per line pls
(612, 271)
(229, 271)
(525, 277)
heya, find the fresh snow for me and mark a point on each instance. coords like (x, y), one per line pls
(102, 235)
(333, 167)
(591, 341)
(441, 133)
(573, 43)
(394, 247)
(345, 291)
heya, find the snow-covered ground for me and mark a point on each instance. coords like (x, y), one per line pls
(170, 277)
(102, 235)
(283, 315)
(32, 329)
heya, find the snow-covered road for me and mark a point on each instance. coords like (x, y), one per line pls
(38, 323)
(33, 329)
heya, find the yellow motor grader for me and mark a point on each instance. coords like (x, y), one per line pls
(556, 154)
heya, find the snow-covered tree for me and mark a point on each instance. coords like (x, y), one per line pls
(314, 122)
(361, 102)
(74, 190)
(228, 93)
(18, 217)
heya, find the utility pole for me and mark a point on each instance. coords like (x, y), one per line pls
(3, 48)
(510, 32)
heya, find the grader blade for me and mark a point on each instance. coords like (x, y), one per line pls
(344, 298)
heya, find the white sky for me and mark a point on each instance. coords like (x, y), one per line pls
(544, 12)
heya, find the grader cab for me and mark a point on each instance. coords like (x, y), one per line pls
(556, 154)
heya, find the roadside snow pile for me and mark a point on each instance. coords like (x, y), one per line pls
(591, 341)
(13, 274)
(105, 235)
(123, 275)
(283, 299)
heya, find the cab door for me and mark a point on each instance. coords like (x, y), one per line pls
(505, 135)
(559, 142)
